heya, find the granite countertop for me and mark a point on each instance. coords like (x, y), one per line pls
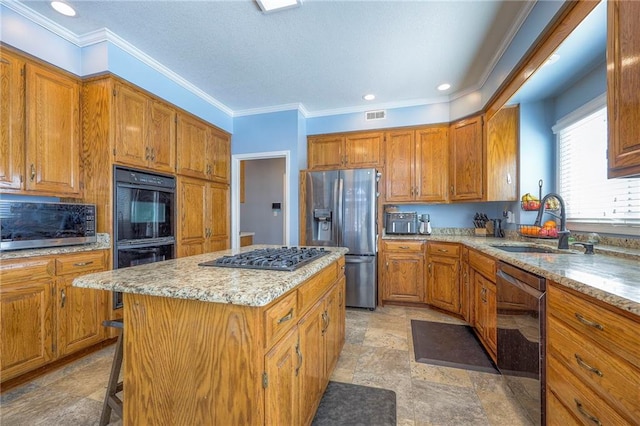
(183, 279)
(612, 275)
(103, 243)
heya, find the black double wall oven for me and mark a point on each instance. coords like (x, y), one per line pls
(144, 219)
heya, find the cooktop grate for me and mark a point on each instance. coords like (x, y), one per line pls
(277, 259)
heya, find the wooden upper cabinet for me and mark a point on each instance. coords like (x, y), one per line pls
(202, 151)
(53, 132)
(416, 164)
(466, 160)
(325, 152)
(12, 119)
(501, 168)
(400, 165)
(623, 88)
(432, 164)
(145, 130)
(353, 150)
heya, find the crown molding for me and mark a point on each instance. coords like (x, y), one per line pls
(270, 109)
(388, 105)
(42, 21)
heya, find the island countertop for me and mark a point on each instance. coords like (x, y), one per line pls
(183, 279)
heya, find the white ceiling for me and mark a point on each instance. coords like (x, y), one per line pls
(324, 55)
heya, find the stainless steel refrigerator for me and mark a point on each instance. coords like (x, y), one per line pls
(341, 212)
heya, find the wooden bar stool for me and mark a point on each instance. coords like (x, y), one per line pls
(111, 401)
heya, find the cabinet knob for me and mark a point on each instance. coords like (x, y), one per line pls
(146, 153)
(33, 172)
(63, 298)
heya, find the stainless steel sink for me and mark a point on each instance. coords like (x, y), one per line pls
(530, 249)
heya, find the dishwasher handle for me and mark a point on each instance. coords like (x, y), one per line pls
(501, 275)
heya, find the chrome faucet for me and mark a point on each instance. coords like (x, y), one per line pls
(563, 234)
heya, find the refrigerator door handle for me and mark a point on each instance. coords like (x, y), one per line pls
(366, 259)
(335, 225)
(340, 212)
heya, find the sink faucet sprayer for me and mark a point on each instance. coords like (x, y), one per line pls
(563, 234)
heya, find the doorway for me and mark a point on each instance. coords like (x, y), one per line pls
(260, 194)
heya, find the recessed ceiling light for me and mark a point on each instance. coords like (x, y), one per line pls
(444, 86)
(64, 8)
(552, 59)
(269, 6)
(369, 97)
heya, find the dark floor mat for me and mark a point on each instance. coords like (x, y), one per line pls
(351, 405)
(449, 345)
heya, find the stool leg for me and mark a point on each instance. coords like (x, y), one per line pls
(112, 387)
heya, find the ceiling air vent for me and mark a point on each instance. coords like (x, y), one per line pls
(375, 115)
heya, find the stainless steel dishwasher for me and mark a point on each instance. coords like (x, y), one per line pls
(521, 336)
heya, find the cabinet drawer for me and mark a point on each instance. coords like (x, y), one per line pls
(558, 414)
(280, 317)
(611, 330)
(484, 264)
(403, 246)
(316, 286)
(444, 249)
(19, 270)
(79, 263)
(585, 405)
(613, 378)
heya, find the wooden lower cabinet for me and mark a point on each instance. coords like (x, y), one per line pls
(43, 317)
(246, 365)
(486, 312)
(466, 290)
(593, 356)
(403, 275)
(443, 276)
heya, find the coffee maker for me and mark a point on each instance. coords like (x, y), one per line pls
(425, 224)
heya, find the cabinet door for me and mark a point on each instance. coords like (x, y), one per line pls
(400, 167)
(53, 132)
(325, 152)
(466, 292)
(192, 198)
(80, 315)
(130, 120)
(221, 156)
(192, 147)
(218, 213)
(333, 328)
(26, 327)
(162, 137)
(623, 87)
(432, 164)
(281, 394)
(404, 277)
(312, 356)
(465, 160)
(480, 308)
(491, 318)
(443, 283)
(363, 150)
(503, 136)
(12, 119)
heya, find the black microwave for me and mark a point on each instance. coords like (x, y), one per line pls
(36, 224)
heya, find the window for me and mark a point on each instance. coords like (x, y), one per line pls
(593, 202)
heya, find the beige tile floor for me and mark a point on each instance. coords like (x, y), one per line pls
(378, 352)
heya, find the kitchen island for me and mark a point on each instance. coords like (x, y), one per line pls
(212, 345)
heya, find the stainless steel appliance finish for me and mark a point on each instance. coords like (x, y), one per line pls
(341, 212)
(521, 336)
(403, 223)
(28, 225)
(276, 259)
(144, 219)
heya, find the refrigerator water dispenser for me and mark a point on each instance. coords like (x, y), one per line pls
(323, 224)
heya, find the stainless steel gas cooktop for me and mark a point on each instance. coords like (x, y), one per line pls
(277, 259)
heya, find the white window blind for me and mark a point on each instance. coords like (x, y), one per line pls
(589, 196)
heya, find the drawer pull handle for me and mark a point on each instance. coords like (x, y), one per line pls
(588, 323)
(443, 250)
(33, 173)
(404, 247)
(83, 263)
(286, 317)
(299, 353)
(586, 414)
(63, 298)
(587, 367)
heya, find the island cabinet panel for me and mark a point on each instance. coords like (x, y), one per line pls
(27, 316)
(52, 132)
(466, 160)
(13, 121)
(593, 358)
(623, 88)
(195, 362)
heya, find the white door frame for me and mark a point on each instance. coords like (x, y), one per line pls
(235, 192)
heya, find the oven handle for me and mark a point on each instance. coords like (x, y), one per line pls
(519, 284)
